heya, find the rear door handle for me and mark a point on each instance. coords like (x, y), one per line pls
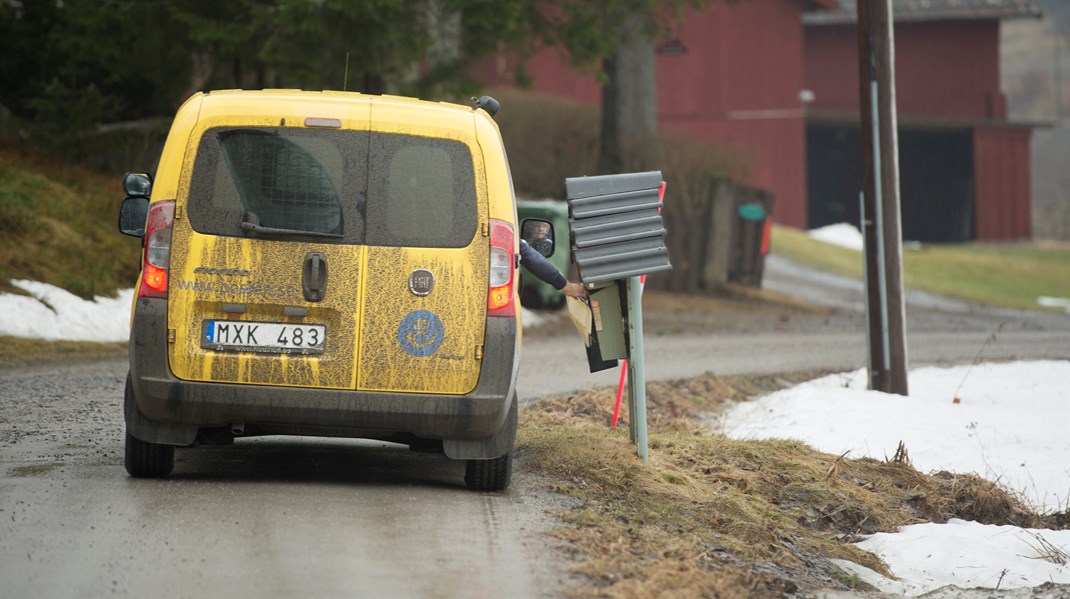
(314, 276)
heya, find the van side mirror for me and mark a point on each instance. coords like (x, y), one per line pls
(132, 216)
(137, 185)
(539, 234)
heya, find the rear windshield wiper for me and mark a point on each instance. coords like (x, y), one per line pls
(255, 228)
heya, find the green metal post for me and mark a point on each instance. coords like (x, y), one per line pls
(636, 367)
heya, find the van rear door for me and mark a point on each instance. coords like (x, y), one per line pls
(268, 252)
(426, 267)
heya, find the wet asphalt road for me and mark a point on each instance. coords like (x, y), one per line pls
(266, 518)
(335, 518)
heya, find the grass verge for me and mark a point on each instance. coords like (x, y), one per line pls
(1010, 275)
(713, 516)
(58, 226)
(18, 352)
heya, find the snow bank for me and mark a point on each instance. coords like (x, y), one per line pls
(1009, 425)
(1005, 422)
(965, 554)
(56, 314)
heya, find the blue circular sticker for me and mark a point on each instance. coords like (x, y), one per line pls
(420, 333)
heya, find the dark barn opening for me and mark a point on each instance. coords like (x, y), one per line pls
(936, 175)
(833, 174)
(936, 184)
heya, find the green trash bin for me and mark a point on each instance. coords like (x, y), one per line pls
(534, 294)
(751, 237)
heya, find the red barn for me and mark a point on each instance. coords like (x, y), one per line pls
(776, 81)
(964, 168)
(728, 74)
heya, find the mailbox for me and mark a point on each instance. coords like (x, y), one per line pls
(616, 233)
(607, 342)
(617, 230)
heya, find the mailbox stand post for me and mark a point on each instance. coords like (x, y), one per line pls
(617, 235)
(636, 368)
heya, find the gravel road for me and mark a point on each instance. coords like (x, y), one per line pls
(265, 518)
(290, 517)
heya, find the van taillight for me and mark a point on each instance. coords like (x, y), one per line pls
(157, 250)
(500, 294)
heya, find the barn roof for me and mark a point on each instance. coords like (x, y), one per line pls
(932, 10)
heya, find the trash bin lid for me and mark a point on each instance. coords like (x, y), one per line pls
(751, 211)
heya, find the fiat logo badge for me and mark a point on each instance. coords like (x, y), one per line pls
(421, 282)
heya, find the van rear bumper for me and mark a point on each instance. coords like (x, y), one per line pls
(175, 409)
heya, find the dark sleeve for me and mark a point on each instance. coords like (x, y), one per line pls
(540, 266)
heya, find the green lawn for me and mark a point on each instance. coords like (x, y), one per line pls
(1010, 275)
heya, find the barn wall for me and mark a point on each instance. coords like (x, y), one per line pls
(934, 76)
(1003, 188)
(737, 85)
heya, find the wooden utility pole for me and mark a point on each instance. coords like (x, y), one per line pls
(881, 229)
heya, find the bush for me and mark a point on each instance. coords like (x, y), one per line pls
(548, 140)
(691, 166)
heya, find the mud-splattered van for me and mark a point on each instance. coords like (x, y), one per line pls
(325, 263)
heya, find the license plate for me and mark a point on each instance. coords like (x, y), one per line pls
(268, 337)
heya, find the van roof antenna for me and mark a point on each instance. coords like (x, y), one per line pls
(345, 76)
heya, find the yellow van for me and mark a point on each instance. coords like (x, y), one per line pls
(326, 263)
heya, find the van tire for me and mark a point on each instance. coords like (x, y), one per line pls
(489, 475)
(148, 460)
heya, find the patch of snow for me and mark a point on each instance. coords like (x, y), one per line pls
(844, 235)
(964, 554)
(534, 318)
(1008, 425)
(56, 314)
(1054, 302)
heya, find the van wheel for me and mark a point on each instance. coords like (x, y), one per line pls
(489, 475)
(148, 460)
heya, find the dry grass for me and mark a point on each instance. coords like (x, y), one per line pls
(17, 352)
(713, 516)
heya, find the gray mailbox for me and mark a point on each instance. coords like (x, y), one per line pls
(618, 235)
(617, 231)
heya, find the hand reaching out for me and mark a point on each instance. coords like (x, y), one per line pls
(574, 290)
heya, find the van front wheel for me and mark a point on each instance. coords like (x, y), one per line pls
(489, 475)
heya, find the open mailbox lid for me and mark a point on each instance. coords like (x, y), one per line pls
(617, 230)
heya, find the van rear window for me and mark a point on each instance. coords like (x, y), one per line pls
(421, 192)
(345, 186)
